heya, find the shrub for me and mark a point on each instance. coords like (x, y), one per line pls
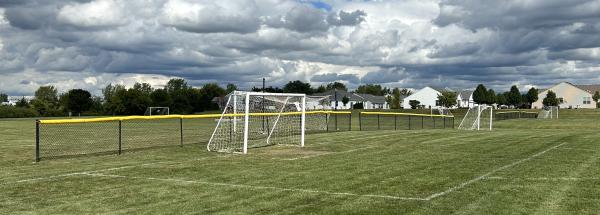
(7, 111)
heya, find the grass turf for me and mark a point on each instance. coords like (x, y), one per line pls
(524, 166)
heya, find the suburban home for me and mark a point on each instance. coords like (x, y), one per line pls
(570, 95)
(428, 97)
(369, 101)
(464, 99)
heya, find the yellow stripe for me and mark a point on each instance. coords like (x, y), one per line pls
(514, 112)
(199, 116)
(404, 114)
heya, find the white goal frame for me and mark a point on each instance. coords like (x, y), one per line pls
(477, 123)
(149, 110)
(551, 112)
(247, 113)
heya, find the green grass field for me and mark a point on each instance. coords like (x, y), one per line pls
(525, 166)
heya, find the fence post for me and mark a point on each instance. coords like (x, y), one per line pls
(395, 122)
(350, 122)
(433, 122)
(327, 115)
(409, 122)
(453, 122)
(120, 137)
(336, 122)
(359, 121)
(378, 126)
(422, 122)
(181, 132)
(444, 122)
(37, 140)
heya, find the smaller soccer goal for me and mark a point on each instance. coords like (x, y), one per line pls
(152, 111)
(548, 112)
(441, 111)
(477, 117)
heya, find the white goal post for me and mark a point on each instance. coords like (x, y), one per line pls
(157, 111)
(478, 117)
(255, 119)
(548, 112)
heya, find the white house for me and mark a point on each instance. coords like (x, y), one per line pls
(368, 101)
(428, 97)
(570, 95)
(464, 99)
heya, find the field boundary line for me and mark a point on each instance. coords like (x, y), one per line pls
(254, 187)
(108, 169)
(543, 178)
(481, 177)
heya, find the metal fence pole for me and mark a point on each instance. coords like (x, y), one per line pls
(359, 121)
(327, 122)
(181, 132)
(378, 126)
(452, 122)
(350, 122)
(37, 140)
(120, 137)
(336, 122)
(395, 122)
(409, 128)
(434, 122)
(422, 122)
(444, 122)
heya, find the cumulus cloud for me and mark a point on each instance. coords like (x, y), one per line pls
(399, 43)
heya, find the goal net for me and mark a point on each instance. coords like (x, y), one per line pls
(441, 111)
(548, 112)
(254, 119)
(477, 117)
(151, 111)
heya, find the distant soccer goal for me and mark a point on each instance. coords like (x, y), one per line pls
(441, 111)
(478, 117)
(548, 112)
(254, 119)
(152, 111)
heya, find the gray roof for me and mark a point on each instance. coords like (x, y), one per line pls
(592, 88)
(466, 94)
(352, 96)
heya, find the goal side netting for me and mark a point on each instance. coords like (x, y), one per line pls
(478, 117)
(548, 112)
(253, 119)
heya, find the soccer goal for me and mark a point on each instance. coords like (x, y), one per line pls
(478, 117)
(548, 112)
(151, 111)
(254, 119)
(441, 111)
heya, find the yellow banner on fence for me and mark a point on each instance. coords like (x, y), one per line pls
(404, 114)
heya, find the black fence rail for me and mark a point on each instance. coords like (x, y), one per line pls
(506, 115)
(403, 121)
(115, 135)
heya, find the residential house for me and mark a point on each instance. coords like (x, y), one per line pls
(570, 95)
(464, 99)
(369, 101)
(428, 97)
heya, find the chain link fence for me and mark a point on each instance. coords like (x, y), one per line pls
(403, 121)
(515, 115)
(115, 135)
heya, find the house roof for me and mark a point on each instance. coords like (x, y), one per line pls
(466, 94)
(592, 88)
(352, 96)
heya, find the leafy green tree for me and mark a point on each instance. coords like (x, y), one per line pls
(373, 89)
(46, 100)
(514, 96)
(176, 85)
(231, 87)
(135, 101)
(531, 96)
(405, 92)
(345, 100)
(22, 103)
(3, 97)
(395, 98)
(447, 98)
(160, 98)
(113, 99)
(297, 87)
(596, 97)
(269, 89)
(208, 92)
(550, 99)
(491, 97)
(78, 100)
(501, 99)
(414, 104)
(180, 92)
(358, 106)
(480, 95)
(336, 85)
(320, 89)
(97, 107)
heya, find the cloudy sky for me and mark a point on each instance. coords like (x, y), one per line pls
(409, 43)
